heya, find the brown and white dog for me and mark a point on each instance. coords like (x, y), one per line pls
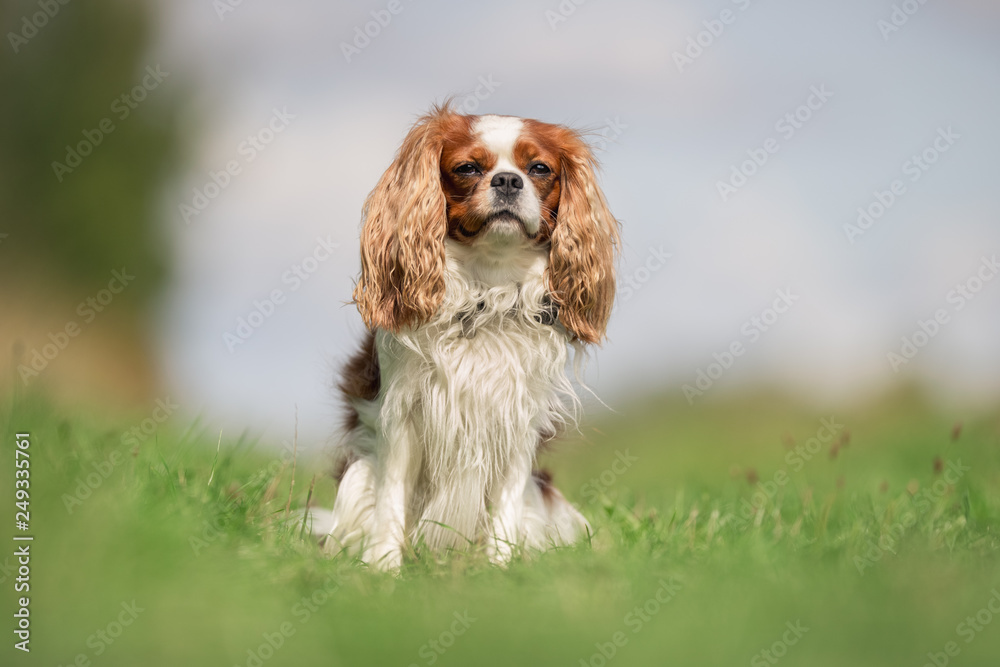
(487, 252)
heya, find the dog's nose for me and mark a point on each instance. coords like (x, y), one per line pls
(507, 182)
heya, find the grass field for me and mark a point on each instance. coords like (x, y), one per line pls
(741, 532)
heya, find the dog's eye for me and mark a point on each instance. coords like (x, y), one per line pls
(539, 169)
(467, 169)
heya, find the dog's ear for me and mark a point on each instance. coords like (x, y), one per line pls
(585, 241)
(403, 229)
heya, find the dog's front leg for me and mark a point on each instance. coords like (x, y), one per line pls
(508, 511)
(398, 465)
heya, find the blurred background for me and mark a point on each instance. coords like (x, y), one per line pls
(181, 185)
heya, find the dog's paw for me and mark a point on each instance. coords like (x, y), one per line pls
(384, 558)
(500, 551)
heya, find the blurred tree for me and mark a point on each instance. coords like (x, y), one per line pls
(88, 135)
(61, 81)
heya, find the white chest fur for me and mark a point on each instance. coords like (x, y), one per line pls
(477, 385)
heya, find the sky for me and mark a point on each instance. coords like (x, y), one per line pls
(806, 190)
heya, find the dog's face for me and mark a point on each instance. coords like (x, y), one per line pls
(501, 178)
(495, 180)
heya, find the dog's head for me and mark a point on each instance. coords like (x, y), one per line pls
(488, 181)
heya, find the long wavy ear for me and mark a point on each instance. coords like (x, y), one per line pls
(584, 246)
(402, 236)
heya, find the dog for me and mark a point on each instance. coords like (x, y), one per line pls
(487, 254)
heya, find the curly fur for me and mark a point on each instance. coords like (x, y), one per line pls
(466, 375)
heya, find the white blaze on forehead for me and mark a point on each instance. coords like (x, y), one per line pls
(500, 133)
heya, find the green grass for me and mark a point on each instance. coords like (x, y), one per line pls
(195, 536)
